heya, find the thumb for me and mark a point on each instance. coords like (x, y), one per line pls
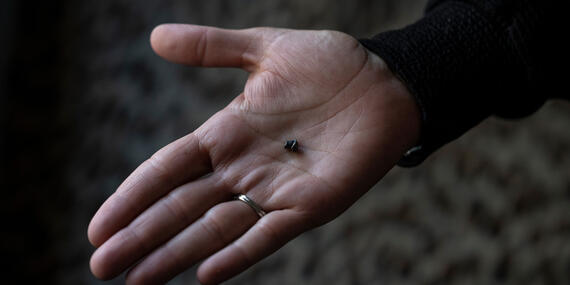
(208, 46)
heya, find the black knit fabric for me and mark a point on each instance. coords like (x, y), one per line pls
(467, 60)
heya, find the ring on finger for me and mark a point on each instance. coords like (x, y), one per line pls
(258, 210)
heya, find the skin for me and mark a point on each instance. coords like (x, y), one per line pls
(353, 120)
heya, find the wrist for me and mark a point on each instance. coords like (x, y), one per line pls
(400, 112)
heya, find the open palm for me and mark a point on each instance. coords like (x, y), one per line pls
(352, 118)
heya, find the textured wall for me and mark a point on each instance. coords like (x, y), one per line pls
(88, 101)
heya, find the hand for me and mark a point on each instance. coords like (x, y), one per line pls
(353, 120)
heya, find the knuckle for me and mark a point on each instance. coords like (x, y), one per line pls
(157, 165)
(156, 162)
(202, 47)
(131, 236)
(267, 230)
(212, 224)
(177, 208)
(243, 254)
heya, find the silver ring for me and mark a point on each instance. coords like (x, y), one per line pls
(252, 204)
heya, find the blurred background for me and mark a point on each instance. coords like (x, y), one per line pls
(85, 100)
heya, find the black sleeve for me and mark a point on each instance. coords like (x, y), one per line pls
(467, 60)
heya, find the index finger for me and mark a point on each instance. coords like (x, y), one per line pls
(177, 163)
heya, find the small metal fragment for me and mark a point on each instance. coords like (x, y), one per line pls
(292, 145)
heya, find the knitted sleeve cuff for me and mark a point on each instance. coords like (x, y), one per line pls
(456, 62)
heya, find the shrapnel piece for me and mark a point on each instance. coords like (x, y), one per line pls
(292, 145)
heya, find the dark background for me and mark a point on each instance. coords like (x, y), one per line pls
(85, 100)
